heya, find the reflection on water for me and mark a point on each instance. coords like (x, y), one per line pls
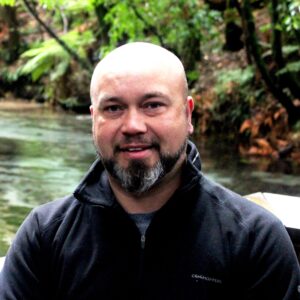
(247, 175)
(43, 155)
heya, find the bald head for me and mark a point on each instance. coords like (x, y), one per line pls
(139, 58)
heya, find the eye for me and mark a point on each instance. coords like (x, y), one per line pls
(113, 108)
(153, 105)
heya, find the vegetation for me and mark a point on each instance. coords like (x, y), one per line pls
(241, 57)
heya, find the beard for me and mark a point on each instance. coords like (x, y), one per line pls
(137, 178)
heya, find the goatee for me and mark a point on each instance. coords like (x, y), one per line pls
(138, 178)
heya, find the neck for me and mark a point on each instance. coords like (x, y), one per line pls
(151, 200)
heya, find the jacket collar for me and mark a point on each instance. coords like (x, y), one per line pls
(95, 188)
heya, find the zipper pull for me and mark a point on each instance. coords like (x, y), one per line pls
(143, 241)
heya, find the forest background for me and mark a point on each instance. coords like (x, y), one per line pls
(241, 58)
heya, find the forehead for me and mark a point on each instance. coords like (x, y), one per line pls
(135, 87)
(138, 64)
(124, 82)
(138, 55)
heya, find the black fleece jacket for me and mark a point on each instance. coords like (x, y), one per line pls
(205, 243)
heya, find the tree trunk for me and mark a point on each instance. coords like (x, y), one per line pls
(284, 99)
(8, 14)
(287, 79)
(101, 11)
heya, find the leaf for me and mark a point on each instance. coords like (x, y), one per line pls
(40, 70)
(263, 143)
(8, 2)
(289, 49)
(292, 67)
(279, 113)
(268, 121)
(247, 124)
(263, 147)
(51, 4)
(50, 57)
(60, 70)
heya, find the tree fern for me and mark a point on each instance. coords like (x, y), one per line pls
(50, 58)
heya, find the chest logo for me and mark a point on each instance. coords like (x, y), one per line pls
(198, 277)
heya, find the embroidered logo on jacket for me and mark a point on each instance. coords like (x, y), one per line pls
(197, 277)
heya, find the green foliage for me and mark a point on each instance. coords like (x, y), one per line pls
(50, 57)
(50, 4)
(290, 49)
(9, 76)
(193, 75)
(239, 77)
(42, 60)
(296, 127)
(173, 23)
(8, 2)
(124, 23)
(292, 67)
(234, 97)
(77, 6)
(290, 15)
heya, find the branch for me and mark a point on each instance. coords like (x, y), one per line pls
(148, 25)
(84, 63)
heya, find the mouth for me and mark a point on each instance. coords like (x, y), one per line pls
(134, 148)
(136, 151)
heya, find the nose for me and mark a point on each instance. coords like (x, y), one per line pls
(133, 123)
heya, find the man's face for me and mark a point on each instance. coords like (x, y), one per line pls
(141, 121)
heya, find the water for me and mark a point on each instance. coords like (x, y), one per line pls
(44, 154)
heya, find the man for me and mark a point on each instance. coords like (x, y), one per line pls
(145, 223)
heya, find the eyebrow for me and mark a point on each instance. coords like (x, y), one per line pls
(107, 98)
(155, 94)
(110, 98)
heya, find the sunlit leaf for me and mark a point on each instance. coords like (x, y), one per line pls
(8, 2)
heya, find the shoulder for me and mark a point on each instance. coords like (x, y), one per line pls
(52, 214)
(256, 239)
(235, 211)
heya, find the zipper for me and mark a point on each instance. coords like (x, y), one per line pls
(143, 241)
(141, 265)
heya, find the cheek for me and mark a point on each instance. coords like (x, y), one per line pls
(105, 134)
(172, 131)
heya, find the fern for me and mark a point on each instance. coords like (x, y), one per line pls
(50, 57)
(238, 76)
(42, 59)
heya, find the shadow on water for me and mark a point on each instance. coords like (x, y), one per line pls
(43, 156)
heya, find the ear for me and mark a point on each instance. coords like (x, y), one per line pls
(189, 110)
(92, 110)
